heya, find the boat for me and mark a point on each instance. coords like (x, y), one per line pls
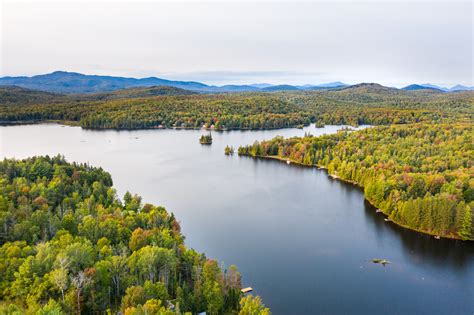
(378, 211)
(386, 220)
(288, 162)
(381, 261)
(437, 237)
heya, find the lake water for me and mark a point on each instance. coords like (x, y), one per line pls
(303, 241)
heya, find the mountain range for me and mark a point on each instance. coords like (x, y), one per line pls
(77, 83)
(428, 86)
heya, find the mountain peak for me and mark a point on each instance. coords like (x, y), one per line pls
(416, 87)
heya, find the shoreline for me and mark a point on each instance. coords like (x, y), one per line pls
(335, 177)
(77, 124)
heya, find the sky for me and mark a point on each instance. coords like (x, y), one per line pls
(222, 42)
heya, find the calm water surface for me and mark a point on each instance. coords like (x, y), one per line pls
(302, 240)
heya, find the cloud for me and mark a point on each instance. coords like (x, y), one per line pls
(393, 43)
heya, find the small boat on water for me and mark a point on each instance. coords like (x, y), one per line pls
(383, 262)
(386, 220)
(288, 162)
(378, 211)
(437, 237)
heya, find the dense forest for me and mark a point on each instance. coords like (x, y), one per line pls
(419, 175)
(69, 245)
(174, 108)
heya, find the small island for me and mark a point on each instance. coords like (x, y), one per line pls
(229, 150)
(206, 139)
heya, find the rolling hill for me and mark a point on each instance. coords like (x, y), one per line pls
(19, 95)
(137, 93)
(23, 96)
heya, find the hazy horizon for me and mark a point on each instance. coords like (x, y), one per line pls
(216, 43)
(251, 83)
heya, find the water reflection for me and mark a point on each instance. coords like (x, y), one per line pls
(418, 246)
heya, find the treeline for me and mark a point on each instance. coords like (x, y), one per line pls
(69, 245)
(194, 111)
(354, 106)
(378, 105)
(419, 175)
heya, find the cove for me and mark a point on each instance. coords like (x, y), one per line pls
(302, 240)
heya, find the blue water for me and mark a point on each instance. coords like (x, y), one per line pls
(303, 241)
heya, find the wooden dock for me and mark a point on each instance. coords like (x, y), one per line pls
(246, 290)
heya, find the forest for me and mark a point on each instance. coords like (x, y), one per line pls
(70, 245)
(419, 175)
(174, 108)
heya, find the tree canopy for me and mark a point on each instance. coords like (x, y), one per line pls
(137, 109)
(69, 245)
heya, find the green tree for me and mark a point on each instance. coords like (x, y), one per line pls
(250, 305)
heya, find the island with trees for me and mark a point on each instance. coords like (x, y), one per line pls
(419, 175)
(206, 139)
(229, 150)
(69, 245)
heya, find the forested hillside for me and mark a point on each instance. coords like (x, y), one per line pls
(248, 111)
(419, 175)
(139, 92)
(14, 95)
(378, 105)
(69, 245)
(141, 108)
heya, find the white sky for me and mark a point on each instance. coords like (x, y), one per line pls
(393, 43)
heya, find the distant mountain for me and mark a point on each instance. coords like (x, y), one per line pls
(76, 83)
(261, 85)
(366, 93)
(452, 89)
(416, 87)
(326, 86)
(368, 87)
(234, 88)
(282, 87)
(71, 82)
(461, 88)
(434, 87)
(332, 85)
(286, 87)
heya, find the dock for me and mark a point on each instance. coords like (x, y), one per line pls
(246, 290)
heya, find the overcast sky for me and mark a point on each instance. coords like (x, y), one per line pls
(393, 43)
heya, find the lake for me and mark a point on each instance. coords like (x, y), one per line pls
(302, 240)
